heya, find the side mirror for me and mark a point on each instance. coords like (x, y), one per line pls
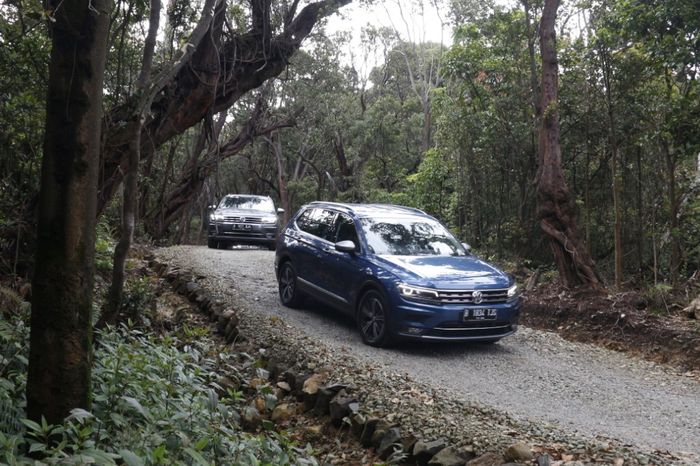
(345, 246)
(467, 247)
(280, 210)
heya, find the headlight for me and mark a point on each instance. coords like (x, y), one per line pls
(513, 292)
(417, 293)
(269, 219)
(216, 217)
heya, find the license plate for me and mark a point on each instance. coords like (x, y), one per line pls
(480, 314)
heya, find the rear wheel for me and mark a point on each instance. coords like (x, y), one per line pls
(289, 292)
(373, 319)
(212, 243)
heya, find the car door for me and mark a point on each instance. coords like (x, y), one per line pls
(315, 230)
(341, 270)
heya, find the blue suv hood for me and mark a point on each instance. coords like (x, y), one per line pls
(445, 272)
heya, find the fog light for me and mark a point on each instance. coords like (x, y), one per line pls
(414, 330)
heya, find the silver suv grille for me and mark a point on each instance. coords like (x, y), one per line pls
(243, 219)
(469, 297)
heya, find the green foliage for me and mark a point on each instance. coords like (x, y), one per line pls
(104, 248)
(155, 402)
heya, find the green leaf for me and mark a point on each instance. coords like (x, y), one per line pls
(131, 458)
(31, 425)
(196, 456)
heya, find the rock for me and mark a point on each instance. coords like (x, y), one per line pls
(283, 412)
(223, 320)
(191, 288)
(380, 430)
(250, 418)
(424, 451)
(284, 386)
(487, 459)
(323, 401)
(408, 443)
(313, 384)
(544, 460)
(341, 406)
(693, 309)
(390, 442)
(357, 423)
(518, 452)
(231, 330)
(449, 456)
(368, 431)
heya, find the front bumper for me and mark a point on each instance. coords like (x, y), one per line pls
(243, 233)
(418, 321)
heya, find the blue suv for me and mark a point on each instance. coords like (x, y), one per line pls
(397, 271)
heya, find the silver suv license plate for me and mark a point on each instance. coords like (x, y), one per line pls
(480, 314)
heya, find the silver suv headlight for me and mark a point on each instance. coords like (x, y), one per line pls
(269, 219)
(418, 293)
(216, 217)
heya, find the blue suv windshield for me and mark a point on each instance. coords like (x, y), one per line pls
(409, 236)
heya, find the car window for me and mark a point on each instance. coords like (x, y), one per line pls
(345, 230)
(410, 236)
(248, 203)
(318, 222)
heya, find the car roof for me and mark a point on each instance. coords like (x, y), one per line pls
(370, 210)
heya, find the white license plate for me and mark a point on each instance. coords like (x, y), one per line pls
(480, 314)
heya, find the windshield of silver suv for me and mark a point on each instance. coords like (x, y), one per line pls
(409, 236)
(247, 203)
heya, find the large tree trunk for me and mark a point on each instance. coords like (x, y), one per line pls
(220, 71)
(555, 206)
(61, 331)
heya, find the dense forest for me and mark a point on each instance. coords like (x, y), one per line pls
(540, 132)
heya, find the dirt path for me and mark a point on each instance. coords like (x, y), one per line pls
(532, 375)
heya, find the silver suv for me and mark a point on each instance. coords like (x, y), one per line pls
(243, 219)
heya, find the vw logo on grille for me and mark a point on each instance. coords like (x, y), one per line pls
(242, 219)
(477, 296)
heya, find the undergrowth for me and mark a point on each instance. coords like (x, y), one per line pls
(155, 402)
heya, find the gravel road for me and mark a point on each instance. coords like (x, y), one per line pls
(531, 376)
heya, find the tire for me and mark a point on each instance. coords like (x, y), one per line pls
(212, 243)
(373, 319)
(288, 289)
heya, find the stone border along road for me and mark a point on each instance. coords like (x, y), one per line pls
(557, 391)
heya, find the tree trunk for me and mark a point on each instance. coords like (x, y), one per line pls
(130, 201)
(555, 206)
(60, 351)
(614, 162)
(276, 144)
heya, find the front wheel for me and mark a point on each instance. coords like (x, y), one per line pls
(373, 319)
(289, 292)
(212, 243)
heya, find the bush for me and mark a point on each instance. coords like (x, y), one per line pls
(155, 402)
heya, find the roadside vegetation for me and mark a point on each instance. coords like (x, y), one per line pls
(157, 399)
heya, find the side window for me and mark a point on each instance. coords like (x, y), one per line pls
(345, 230)
(304, 221)
(318, 222)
